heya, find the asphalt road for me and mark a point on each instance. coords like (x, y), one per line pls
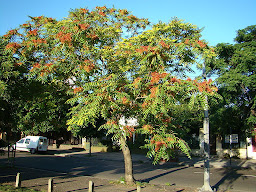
(110, 166)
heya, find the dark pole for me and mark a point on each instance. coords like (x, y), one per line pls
(206, 187)
(90, 146)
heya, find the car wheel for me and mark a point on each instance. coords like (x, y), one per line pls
(32, 151)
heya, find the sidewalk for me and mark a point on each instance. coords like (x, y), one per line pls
(234, 163)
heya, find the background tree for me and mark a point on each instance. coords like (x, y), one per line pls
(91, 131)
(113, 70)
(6, 109)
(28, 105)
(235, 67)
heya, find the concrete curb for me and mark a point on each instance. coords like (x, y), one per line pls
(70, 154)
(219, 165)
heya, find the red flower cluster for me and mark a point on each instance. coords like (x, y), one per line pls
(49, 19)
(32, 32)
(159, 144)
(123, 12)
(132, 18)
(84, 26)
(11, 33)
(78, 89)
(153, 91)
(112, 10)
(155, 77)
(64, 37)
(125, 101)
(13, 46)
(111, 122)
(144, 105)
(136, 81)
(164, 45)
(175, 80)
(143, 49)
(37, 18)
(26, 25)
(148, 128)
(102, 13)
(35, 66)
(201, 44)
(48, 65)
(187, 42)
(205, 86)
(38, 42)
(84, 10)
(146, 49)
(101, 8)
(89, 66)
(129, 130)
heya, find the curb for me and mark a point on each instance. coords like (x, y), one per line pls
(219, 166)
(70, 154)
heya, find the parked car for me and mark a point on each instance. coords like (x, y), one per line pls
(32, 144)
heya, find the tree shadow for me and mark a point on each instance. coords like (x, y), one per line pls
(147, 180)
(230, 175)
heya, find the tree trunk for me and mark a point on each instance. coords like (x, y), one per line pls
(129, 179)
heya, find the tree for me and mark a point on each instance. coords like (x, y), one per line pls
(28, 105)
(139, 85)
(91, 131)
(5, 107)
(114, 70)
(235, 67)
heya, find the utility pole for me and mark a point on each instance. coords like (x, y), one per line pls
(206, 145)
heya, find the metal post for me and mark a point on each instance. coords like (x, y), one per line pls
(206, 187)
(138, 188)
(90, 146)
(50, 185)
(230, 145)
(18, 180)
(91, 186)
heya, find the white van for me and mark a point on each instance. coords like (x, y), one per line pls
(32, 144)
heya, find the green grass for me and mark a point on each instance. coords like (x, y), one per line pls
(10, 188)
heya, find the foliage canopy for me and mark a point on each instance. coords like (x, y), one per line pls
(235, 66)
(116, 65)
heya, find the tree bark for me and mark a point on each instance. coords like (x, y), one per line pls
(129, 179)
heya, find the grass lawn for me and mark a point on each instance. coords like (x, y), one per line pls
(10, 188)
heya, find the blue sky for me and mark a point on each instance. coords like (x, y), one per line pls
(219, 18)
